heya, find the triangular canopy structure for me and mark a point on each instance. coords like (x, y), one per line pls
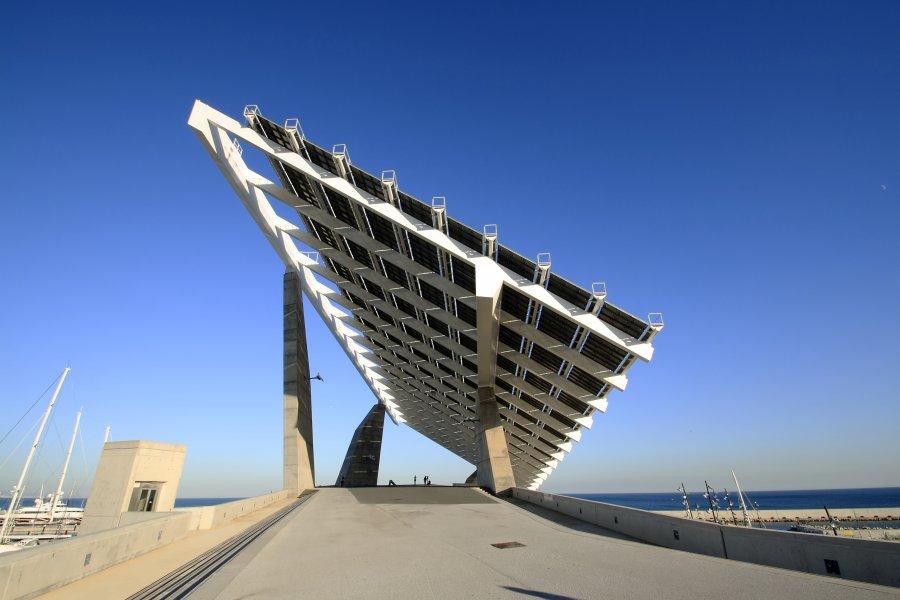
(484, 351)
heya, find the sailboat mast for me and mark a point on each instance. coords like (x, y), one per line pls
(62, 476)
(17, 491)
(741, 498)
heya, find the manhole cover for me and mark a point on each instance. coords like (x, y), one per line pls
(505, 545)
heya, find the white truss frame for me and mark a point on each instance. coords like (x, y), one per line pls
(415, 395)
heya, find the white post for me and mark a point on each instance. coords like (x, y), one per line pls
(106, 434)
(62, 476)
(741, 497)
(17, 491)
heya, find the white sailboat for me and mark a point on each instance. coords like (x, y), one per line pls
(48, 510)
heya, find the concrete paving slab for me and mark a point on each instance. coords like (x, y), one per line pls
(412, 543)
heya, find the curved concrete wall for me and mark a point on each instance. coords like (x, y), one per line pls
(861, 560)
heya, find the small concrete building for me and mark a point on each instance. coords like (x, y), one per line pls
(133, 476)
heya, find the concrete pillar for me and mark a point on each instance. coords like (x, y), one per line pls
(299, 466)
(360, 466)
(494, 467)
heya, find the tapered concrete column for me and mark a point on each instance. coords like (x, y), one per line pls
(494, 467)
(299, 466)
(360, 466)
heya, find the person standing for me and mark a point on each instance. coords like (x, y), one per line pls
(414, 480)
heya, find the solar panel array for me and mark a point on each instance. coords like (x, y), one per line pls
(413, 303)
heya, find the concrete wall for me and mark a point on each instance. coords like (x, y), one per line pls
(862, 560)
(209, 517)
(122, 465)
(28, 573)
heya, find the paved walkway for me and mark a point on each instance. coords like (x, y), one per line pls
(405, 542)
(124, 579)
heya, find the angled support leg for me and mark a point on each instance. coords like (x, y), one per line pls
(494, 466)
(360, 466)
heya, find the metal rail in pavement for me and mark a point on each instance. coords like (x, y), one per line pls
(186, 578)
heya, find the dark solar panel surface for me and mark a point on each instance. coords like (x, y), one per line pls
(463, 274)
(601, 351)
(382, 230)
(568, 291)
(359, 253)
(586, 381)
(324, 234)
(466, 313)
(506, 364)
(432, 294)
(294, 180)
(405, 306)
(395, 273)
(464, 235)
(573, 402)
(438, 325)
(514, 303)
(516, 262)
(368, 183)
(545, 358)
(510, 337)
(373, 289)
(622, 321)
(556, 326)
(340, 269)
(415, 208)
(341, 207)
(320, 157)
(270, 130)
(424, 252)
(537, 382)
(468, 342)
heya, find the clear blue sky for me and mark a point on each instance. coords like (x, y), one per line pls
(723, 165)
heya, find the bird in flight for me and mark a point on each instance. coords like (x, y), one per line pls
(883, 188)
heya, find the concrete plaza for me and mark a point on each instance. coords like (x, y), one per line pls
(434, 542)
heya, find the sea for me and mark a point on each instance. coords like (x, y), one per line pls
(886, 497)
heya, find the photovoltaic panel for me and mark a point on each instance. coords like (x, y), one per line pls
(464, 235)
(432, 294)
(510, 337)
(395, 273)
(556, 326)
(601, 351)
(514, 303)
(465, 312)
(320, 157)
(573, 402)
(297, 182)
(367, 183)
(415, 208)
(340, 269)
(405, 306)
(424, 252)
(585, 381)
(341, 207)
(463, 274)
(545, 358)
(622, 321)
(516, 263)
(568, 291)
(360, 254)
(324, 234)
(272, 131)
(382, 230)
